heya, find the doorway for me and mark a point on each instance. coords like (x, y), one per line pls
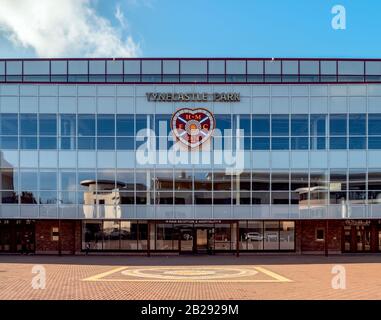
(205, 240)
(186, 239)
(17, 236)
(357, 239)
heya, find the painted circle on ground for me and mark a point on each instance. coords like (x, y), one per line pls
(189, 273)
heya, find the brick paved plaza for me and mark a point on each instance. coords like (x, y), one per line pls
(190, 277)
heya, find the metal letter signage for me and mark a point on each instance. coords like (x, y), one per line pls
(192, 97)
(193, 126)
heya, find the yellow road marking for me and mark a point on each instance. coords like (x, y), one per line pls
(273, 274)
(98, 277)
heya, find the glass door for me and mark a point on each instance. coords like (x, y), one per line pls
(202, 240)
(347, 239)
(186, 239)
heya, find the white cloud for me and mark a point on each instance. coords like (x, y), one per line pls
(64, 28)
(119, 15)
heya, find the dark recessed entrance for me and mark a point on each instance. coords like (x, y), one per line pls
(362, 236)
(17, 236)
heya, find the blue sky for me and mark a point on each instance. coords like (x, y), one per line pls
(197, 28)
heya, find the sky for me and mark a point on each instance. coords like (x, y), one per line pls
(188, 28)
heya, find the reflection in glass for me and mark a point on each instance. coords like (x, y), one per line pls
(128, 235)
(271, 235)
(287, 235)
(254, 235)
(222, 237)
(111, 235)
(92, 235)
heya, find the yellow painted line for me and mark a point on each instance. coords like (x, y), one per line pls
(273, 274)
(182, 280)
(276, 278)
(98, 277)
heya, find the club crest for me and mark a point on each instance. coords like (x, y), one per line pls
(193, 126)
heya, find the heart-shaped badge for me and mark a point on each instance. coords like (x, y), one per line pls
(193, 126)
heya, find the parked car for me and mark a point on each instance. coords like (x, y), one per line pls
(253, 236)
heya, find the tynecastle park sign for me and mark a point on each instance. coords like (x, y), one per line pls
(193, 97)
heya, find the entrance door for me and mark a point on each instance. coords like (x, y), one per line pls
(357, 239)
(202, 240)
(186, 240)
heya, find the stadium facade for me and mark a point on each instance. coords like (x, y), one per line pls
(173, 155)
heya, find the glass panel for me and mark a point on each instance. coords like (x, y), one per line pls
(203, 198)
(86, 125)
(280, 125)
(111, 235)
(299, 143)
(272, 67)
(58, 67)
(279, 181)
(114, 66)
(36, 67)
(164, 180)
(287, 235)
(261, 181)
(164, 236)
(125, 125)
(255, 67)
(242, 235)
(318, 124)
(254, 235)
(280, 144)
(14, 67)
(221, 181)
(261, 143)
(170, 66)
(48, 124)
(271, 235)
(357, 124)
(68, 124)
(242, 181)
(338, 143)
(299, 125)
(309, 67)
(222, 237)
(151, 66)
(235, 67)
(338, 124)
(289, 67)
(105, 125)
(132, 66)
(48, 180)
(128, 235)
(328, 67)
(261, 125)
(216, 66)
(92, 235)
(261, 198)
(193, 66)
(373, 67)
(28, 124)
(351, 67)
(8, 124)
(183, 180)
(202, 181)
(97, 67)
(78, 67)
(374, 124)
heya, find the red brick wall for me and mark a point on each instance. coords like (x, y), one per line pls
(70, 234)
(306, 236)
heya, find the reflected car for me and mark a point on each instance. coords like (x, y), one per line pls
(271, 237)
(253, 236)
